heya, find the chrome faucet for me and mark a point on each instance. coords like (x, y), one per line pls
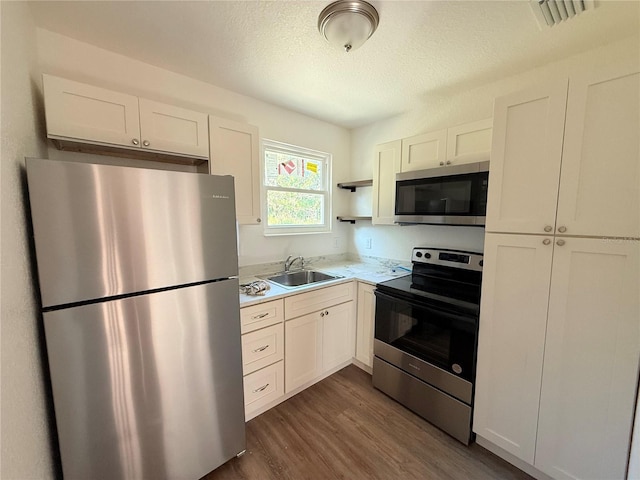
(290, 261)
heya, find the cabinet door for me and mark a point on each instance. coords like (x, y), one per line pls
(470, 142)
(79, 111)
(338, 343)
(590, 360)
(364, 323)
(303, 350)
(526, 151)
(424, 151)
(386, 164)
(234, 151)
(167, 128)
(513, 317)
(600, 181)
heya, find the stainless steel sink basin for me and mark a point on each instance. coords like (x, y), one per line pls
(298, 278)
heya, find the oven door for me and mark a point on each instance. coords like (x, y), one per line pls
(438, 336)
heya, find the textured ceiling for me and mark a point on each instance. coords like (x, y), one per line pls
(272, 50)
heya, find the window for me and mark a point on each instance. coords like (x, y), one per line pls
(296, 184)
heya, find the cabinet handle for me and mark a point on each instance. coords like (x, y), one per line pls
(546, 241)
(441, 163)
(562, 229)
(448, 162)
(258, 220)
(146, 143)
(322, 314)
(326, 312)
(261, 349)
(135, 141)
(560, 242)
(262, 315)
(548, 228)
(261, 388)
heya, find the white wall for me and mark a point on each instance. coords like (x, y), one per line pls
(442, 111)
(26, 445)
(65, 57)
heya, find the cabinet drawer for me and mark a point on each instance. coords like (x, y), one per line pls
(260, 316)
(304, 303)
(262, 348)
(263, 387)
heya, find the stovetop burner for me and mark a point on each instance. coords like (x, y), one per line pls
(441, 276)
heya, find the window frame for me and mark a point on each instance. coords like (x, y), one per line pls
(326, 159)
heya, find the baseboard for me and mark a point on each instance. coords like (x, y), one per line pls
(512, 459)
(362, 366)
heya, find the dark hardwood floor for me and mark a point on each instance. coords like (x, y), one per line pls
(342, 428)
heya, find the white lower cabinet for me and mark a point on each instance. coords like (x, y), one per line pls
(319, 341)
(558, 353)
(338, 329)
(280, 356)
(365, 323)
(262, 355)
(303, 350)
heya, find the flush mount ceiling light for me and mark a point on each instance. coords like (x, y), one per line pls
(348, 23)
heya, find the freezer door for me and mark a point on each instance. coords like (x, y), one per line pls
(102, 230)
(148, 386)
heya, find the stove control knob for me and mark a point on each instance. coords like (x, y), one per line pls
(418, 254)
(481, 263)
(427, 255)
(456, 368)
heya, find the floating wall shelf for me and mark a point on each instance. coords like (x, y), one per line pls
(353, 185)
(351, 219)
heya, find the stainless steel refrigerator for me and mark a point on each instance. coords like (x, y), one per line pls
(138, 278)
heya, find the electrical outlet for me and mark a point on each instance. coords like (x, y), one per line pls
(367, 243)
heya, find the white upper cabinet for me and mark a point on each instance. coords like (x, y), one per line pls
(591, 358)
(526, 151)
(427, 150)
(567, 161)
(386, 164)
(470, 142)
(78, 111)
(168, 128)
(600, 180)
(234, 151)
(87, 114)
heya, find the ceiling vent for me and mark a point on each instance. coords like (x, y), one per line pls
(552, 12)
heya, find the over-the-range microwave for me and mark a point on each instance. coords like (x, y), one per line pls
(455, 195)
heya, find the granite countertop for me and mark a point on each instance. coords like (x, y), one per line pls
(348, 270)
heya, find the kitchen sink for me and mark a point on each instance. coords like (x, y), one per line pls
(298, 278)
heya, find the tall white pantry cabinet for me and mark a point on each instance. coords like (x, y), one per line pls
(559, 342)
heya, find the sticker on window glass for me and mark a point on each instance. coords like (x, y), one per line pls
(288, 167)
(312, 167)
